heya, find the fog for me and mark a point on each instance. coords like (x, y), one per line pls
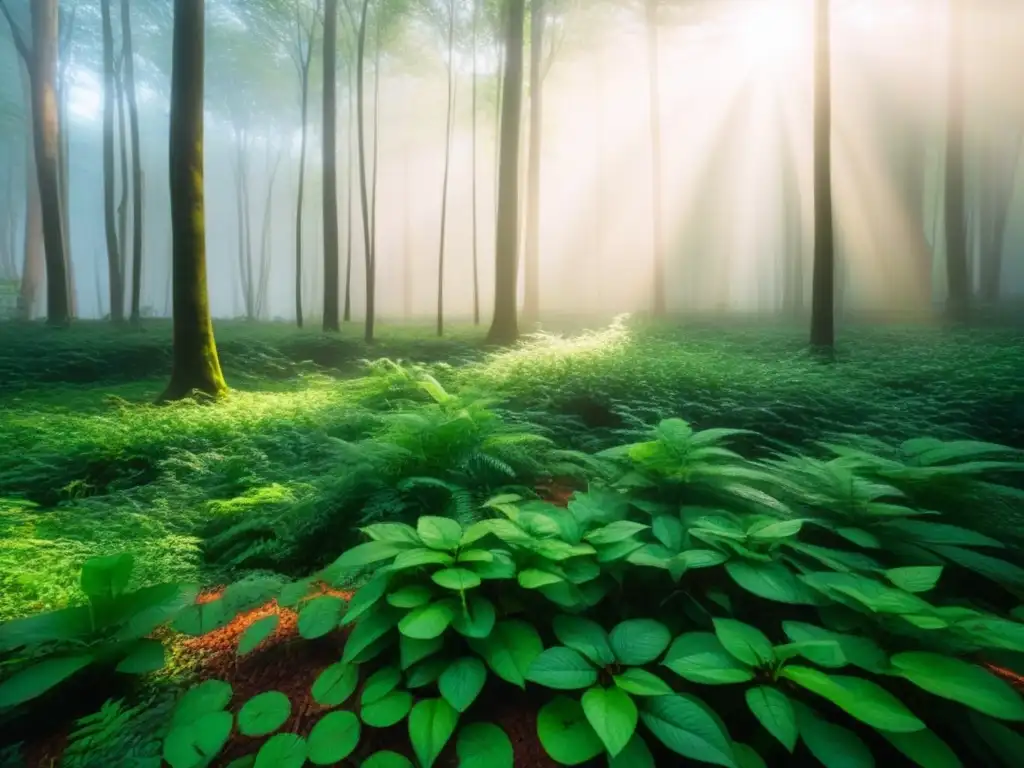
(736, 120)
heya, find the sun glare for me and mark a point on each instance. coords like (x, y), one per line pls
(774, 37)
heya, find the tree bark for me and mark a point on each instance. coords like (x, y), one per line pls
(33, 267)
(115, 282)
(654, 118)
(957, 276)
(531, 256)
(330, 169)
(505, 324)
(196, 365)
(136, 147)
(304, 61)
(65, 34)
(476, 274)
(370, 257)
(447, 165)
(349, 194)
(823, 281)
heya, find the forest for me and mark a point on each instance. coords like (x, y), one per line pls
(511, 383)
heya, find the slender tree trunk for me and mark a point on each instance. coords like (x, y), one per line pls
(957, 275)
(65, 34)
(196, 365)
(531, 257)
(654, 117)
(823, 335)
(349, 194)
(476, 274)
(33, 268)
(1000, 180)
(304, 65)
(47, 137)
(505, 324)
(133, 123)
(497, 114)
(330, 168)
(114, 273)
(447, 165)
(122, 206)
(266, 236)
(369, 255)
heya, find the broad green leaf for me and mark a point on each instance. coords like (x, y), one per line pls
(362, 555)
(476, 618)
(865, 700)
(860, 651)
(746, 643)
(256, 633)
(484, 745)
(772, 581)
(962, 682)
(387, 710)
(441, 533)
(285, 750)
(614, 532)
(333, 738)
(565, 734)
(668, 529)
(462, 682)
(770, 530)
(651, 556)
(475, 556)
(924, 748)
(860, 537)
(200, 700)
(368, 632)
(366, 597)
(700, 558)
(620, 550)
(640, 682)
(335, 684)
(1000, 571)
(922, 532)
(534, 578)
(700, 657)
(427, 621)
(104, 578)
(320, 616)
(199, 741)
(683, 724)
(458, 579)
(916, 578)
(412, 596)
(201, 618)
(380, 684)
(1006, 744)
(774, 711)
(586, 636)
(833, 745)
(747, 756)
(580, 570)
(824, 653)
(411, 650)
(501, 567)
(415, 558)
(505, 530)
(292, 594)
(264, 713)
(386, 759)
(431, 723)
(394, 533)
(426, 672)
(562, 668)
(639, 641)
(613, 716)
(509, 650)
(636, 755)
(146, 656)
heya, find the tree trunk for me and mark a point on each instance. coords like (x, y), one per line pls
(823, 335)
(33, 267)
(195, 362)
(65, 33)
(47, 136)
(304, 65)
(476, 274)
(363, 190)
(1000, 158)
(447, 165)
(133, 123)
(349, 196)
(531, 257)
(330, 169)
(505, 324)
(266, 235)
(122, 206)
(115, 280)
(654, 118)
(957, 276)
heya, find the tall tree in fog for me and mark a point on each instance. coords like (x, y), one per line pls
(369, 255)
(957, 277)
(654, 120)
(33, 267)
(330, 169)
(447, 164)
(195, 362)
(505, 324)
(823, 333)
(531, 251)
(1000, 156)
(65, 35)
(476, 73)
(114, 271)
(133, 121)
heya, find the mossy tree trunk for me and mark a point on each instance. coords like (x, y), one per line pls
(823, 333)
(195, 362)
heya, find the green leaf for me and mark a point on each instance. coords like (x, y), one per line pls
(636, 755)
(387, 710)
(320, 616)
(639, 641)
(285, 750)
(615, 532)
(441, 533)
(747, 756)
(380, 684)
(362, 555)
(458, 579)
(335, 684)
(333, 738)
(565, 734)
(366, 597)
(772, 581)
(427, 621)
(200, 700)
(586, 636)
(476, 618)
(395, 533)
(924, 748)
(860, 537)
(146, 656)
(411, 651)
(962, 682)
(775, 712)
(509, 650)
(824, 653)
(833, 745)
(620, 550)
(770, 530)
(264, 713)
(256, 633)
(292, 594)
(865, 700)
(415, 558)
(484, 745)
(562, 668)
(916, 578)
(475, 556)
(462, 682)
(700, 657)
(412, 596)
(431, 723)
(199, 741)
(684, 725)
(668, 529)
(921, 532)
(534, 578)
(746, 643)
(640, 682)
(613, 716)
(700, 558)
(201, 618)
(369, 630)
(859, 651)
(501, 567)
(426, 672)
(386, 759)
(104, 578)
(1006, 744)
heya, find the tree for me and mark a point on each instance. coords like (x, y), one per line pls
(505, 324)
(654, 118)
(957, 278)
(330, 169)
(133, 123)
(531, 257)
(195, 362)
(114, 270)
(823, 336)
(447, 165)
(476, 73)
(41, 63)
(369, 255)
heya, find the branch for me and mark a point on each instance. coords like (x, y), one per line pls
(19, 41)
